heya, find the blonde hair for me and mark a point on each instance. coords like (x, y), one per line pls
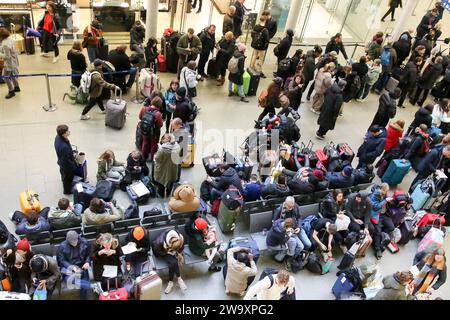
(329, 66)
(229, 35)
(283, 277)
(377, 62)
(108, 238)
(136, 154)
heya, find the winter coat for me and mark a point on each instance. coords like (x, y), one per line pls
(392, 290)
(330, 108)
(373, 74)
(283, 48)
(77, 60)
(238, 19)
(8, 53)
(264, 290)
(362, 177)
(161, 245)
(361, 69)
(323, 82)
(309, 66)
(194, 238)
(137, 36)
(188, 78)
(361, 210)
(104, 167)
(226, 51)
(166, 171)
(423, 27)
(378, 202)
(410, 79)
(56, 23)
(332, 45)
(416, 144)
(330, 208)
(136, 174)
(110, 215)
(371, 148)
(93, 40)
(208, 41)
(227, 23)
(395, 3)
(182, 110)
(282, 213)
(402, 48)
(228, 178)
(252, 191)
(238, 78)
(98, 83)
(63, 219)
(430, 162)
(394, 133)
(238, 273)
(66, 160)
(184, 199)
(41, 226)
(195, 45)
(374, 50)
(52, 275)
(386, 110)
(68, 255)
(422, 116)
(119, 60)
(277, 234)
(441, 276)
(275, 190)
(98, 261)
(170, 98)
(338, 180)
(151, 54)
(19, 275)
(430, 76)
(266, 38)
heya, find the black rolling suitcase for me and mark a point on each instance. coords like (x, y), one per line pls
(407, 231)
(254, 82)
(29, 45)
(213, 68)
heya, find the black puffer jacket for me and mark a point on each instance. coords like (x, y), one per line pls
(330, 208)
(429, 77)
(422, 116)
(228, 178)
(274, 190)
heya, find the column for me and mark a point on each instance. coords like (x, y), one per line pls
(402, 23)
(151, 23)
(294, 13)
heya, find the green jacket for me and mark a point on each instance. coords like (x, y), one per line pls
(183, 44)
(110, 215)
(98, 83)
(63, 219)
(165, 169)
(104, 167)
(197, 244)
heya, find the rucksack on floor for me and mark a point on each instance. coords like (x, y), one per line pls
(233, 65)
(148, 123)
(386, 57)
(86, 81)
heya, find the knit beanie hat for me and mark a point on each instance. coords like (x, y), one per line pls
(38, 263)
(23, 245)
(138, 233)
(200, 224)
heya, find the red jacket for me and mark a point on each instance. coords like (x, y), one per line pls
(394, 133)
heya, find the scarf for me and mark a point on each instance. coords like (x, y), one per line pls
(424, 278)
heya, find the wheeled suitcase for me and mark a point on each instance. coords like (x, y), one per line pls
(114, 294)
(138, 192)
(419, 197)
(391, 84)
(211, 165)
(83, 193)
(322, 157)
(254, 82)
(188, 161)
(29, 45)
(342, 285)
(227, 218)
(345, 152)
(162, 63)
(19, 41)
(29, 201)
(213, 68)
(105, 190)
(244, 165)
(396, 171)
(246, 77)
(116, 110)
(148, 287)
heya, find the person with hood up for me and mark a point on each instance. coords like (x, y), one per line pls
(409, 81)
(18, 262)
(386, 108)
(139, 238)
(236, 76)
(281, 51)
(378, 198)
(330, 109)
(237, 270)
(166, 164)
(228, 178)
(394, 133)
(372, 146)
(422, 116)
(426, 82)
(77, 62)
(137, 36)
(397, 286)
(343, 179)
(335, 44)
(74, 261)
(188, 79)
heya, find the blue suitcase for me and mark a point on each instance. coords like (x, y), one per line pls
(396, 171)
(341, 286)
(83, 195)
(419, 197)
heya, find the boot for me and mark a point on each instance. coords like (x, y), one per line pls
(10, 95)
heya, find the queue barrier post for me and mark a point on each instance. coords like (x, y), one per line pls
(51, 106)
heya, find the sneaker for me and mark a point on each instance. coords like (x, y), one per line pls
(169, 287)
(84, 117)
(244, 99)
(10, 95)
(231, 93)
(308, 98)
(182, 284)
(16, 89)
(43, 54)
(55, 59)
(320, 137)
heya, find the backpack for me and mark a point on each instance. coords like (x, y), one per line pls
(258, 42)
(307, 223)
(148, 123)
(386, 57)
(313, 265)
(285, 65)
(424, 148)
(299, 261)
(447, 74)
(193, 111)
(86, 81)
(233, 65)
(232, 198)
(269, 272)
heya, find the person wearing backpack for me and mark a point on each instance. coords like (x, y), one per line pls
(238, 18)
(260, 43)
(272, 286)
(236, 67)
(226, 48)
(238, 272)
(426, 82)
(388, 59)
(150, 124)
(97, 84)
(386, 108)
(281, 51)
(372, 147)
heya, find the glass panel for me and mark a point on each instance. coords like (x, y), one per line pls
(363, 17)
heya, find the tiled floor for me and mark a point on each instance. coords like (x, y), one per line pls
(28, 160)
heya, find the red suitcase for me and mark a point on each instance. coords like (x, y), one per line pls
(323, 158)
(162, 64)
(115, 294)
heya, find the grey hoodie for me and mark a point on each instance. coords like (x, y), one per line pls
(393, 290)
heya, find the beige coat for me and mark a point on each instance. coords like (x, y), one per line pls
(110, 215)
(323, 82)
(238, 273)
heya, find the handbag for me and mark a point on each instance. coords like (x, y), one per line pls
(434, 239)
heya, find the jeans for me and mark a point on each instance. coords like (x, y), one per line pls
(11, 82)
(91, 104)
(295, 246)
(50, 40)
(365, 91)
(174, 268)
(92, 50)
(304, 239)
(391, 11)
(240, 89)
(132, 77)
(78, 208)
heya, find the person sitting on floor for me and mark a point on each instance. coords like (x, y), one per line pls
(241, 267)
(282, 238)
(272, 287)
(109, 168)
(45, 274)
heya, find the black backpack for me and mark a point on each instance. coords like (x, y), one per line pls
(299, 261)
(285, 65)
(313, 265)
(148, 123)
(193, 111)
(258, 40)
(232, 198)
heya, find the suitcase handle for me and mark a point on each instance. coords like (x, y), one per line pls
(115, 94)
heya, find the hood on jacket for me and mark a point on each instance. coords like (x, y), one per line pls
(395, 127)
(423, 112)
(170, 146)
(390, 282)
(230, 172)
(278, 226)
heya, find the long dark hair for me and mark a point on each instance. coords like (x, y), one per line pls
(273, 95)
